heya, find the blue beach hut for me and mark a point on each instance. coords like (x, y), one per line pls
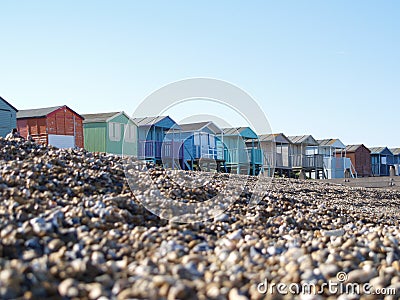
(381, 160)
(202, 146)
(396, 154)
(159, 141)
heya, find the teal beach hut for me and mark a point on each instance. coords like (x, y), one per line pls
(111, 132)
(242, 151)
(8, 118)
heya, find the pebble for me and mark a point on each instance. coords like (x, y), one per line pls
(222, 218)
(328, 270)
(337, 232)
(235, 295)
(95, 290)
(360, 276)
(236, 235)
(67, 288)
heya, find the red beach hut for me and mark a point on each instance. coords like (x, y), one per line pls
(58, 126)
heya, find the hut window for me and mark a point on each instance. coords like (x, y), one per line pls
(204, 139)
(196, 139)
(129, 133)
(212, 141)
(114, 131)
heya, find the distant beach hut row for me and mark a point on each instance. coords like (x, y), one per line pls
(199, 146)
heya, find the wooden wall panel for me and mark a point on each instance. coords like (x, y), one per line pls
(78, 132)
(51, 124)
(42, 128)
(69, 122)
(22, 126)
(363, 161)
(33, 126)
(60, 122)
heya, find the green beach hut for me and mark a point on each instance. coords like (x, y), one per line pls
(111, 132)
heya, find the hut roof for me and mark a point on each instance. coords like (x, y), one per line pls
(36, 112)
(303, 139)
(336, 143)
(275, 137)
(8, 103)
(395, 151)
(102, 117)
(160, 121)
(245, 132)
(379, 150)
(40, 112)
(353, 148)
(199, 126)
(148, 121)
(233, 130)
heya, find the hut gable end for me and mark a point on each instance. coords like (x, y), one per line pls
(8, 119)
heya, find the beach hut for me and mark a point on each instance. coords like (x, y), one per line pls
(242, 153)
(396, 153)
(381, 160)
(111, 132)
(8, 117)
(58, 126)
(334, 156)
(276, 149)
(304, 161)
(159, 141)
(360, 157)
(202, 146)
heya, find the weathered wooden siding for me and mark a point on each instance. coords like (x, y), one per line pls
(201, 145)
(235, 150)
(8, 119)
(123, 144)
(150, 141)
(79, 132)
(63, 121)
(36, 127)
(276, 154)
(95, 137)
(113, 136)
(147, 133)
(363, 162)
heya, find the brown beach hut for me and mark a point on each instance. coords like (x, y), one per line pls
(360, 157)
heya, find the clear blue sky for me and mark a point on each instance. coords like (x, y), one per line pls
(326, 68)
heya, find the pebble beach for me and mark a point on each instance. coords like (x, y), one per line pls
(71, 228)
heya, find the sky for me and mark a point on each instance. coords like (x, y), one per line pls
(326, 68)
